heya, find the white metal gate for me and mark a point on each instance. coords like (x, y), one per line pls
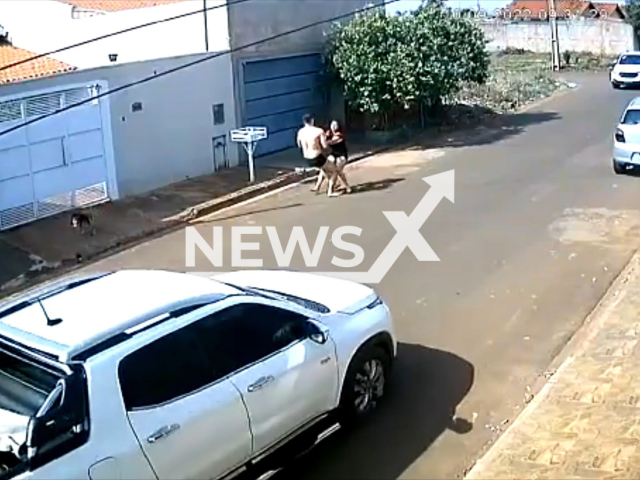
(52, 165)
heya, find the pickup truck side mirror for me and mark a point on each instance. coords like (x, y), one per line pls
(316, 334)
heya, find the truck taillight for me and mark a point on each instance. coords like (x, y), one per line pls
(619, 136)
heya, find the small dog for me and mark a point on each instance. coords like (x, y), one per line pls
(83, 222)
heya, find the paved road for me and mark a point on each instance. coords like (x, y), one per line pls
(539, 228)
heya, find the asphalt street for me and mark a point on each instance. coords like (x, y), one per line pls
(540, 227)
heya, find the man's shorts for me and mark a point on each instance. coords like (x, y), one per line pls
(317, 162)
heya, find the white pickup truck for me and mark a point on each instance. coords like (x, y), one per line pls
(154, 375)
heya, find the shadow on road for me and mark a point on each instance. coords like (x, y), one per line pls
(426, 387)
(375, 186)
(493, 130)
(463, 126)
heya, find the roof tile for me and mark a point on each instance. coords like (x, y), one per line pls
(118, 5)
(535, 9)
(609, 9)
(41, 67)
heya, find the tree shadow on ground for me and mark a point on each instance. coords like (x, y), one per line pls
(461, 126)
(488, 129)
(426, 387)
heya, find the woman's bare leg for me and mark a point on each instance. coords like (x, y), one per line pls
(332, 175)
(319, 182)
(342, 176)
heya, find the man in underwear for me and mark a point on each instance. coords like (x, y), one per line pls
(313, 142)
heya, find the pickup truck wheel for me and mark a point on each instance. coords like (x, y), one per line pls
(364, 386)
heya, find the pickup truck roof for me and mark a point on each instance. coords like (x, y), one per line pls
(65, 320)
(634, 104)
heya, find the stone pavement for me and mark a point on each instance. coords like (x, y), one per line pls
(585, 422)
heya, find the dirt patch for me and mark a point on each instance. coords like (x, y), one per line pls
(597, 226)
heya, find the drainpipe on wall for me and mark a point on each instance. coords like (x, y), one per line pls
(206, 25)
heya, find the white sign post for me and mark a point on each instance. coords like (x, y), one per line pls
(249, 137)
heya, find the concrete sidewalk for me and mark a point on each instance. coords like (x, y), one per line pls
(585, 422)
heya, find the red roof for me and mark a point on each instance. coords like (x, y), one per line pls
(539, 9)
(610, 9)
(41, 67)
(118, 5)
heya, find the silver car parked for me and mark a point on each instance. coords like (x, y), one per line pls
(626, 140)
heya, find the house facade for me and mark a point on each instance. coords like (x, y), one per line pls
(169, 128)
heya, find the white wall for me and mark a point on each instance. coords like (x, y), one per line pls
(171, 138)
(45, 25)
(604, 37)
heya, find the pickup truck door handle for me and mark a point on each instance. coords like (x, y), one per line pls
(261, 382)
(162, 433)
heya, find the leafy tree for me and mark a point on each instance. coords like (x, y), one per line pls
(434, 3)
(451, 50)
(389, 63)
(370, 59)
(633, 12)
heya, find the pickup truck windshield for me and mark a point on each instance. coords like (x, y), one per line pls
(632, 117)
(630, 60)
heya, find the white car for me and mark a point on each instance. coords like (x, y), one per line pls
(145, 374)
(626, 71)
(626, 140)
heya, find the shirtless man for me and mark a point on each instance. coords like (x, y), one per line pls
(313, 142)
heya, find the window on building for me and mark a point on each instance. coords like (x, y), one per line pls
(218, 114)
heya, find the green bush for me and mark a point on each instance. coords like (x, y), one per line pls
(388, 63)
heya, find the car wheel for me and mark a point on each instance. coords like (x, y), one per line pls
(618, 167)
(364, 386)
(615, 86)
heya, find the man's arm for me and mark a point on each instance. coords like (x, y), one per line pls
(298, 140)
(323, 140)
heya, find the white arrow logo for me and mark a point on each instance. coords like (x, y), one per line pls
(408, 231)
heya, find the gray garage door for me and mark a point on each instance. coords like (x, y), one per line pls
(277, 94)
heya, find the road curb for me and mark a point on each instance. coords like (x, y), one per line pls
(212, 206)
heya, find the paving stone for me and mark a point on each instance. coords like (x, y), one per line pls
(587, 424)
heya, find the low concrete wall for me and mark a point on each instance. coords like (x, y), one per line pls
(605, 37)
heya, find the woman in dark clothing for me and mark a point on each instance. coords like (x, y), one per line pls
(338, 155)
